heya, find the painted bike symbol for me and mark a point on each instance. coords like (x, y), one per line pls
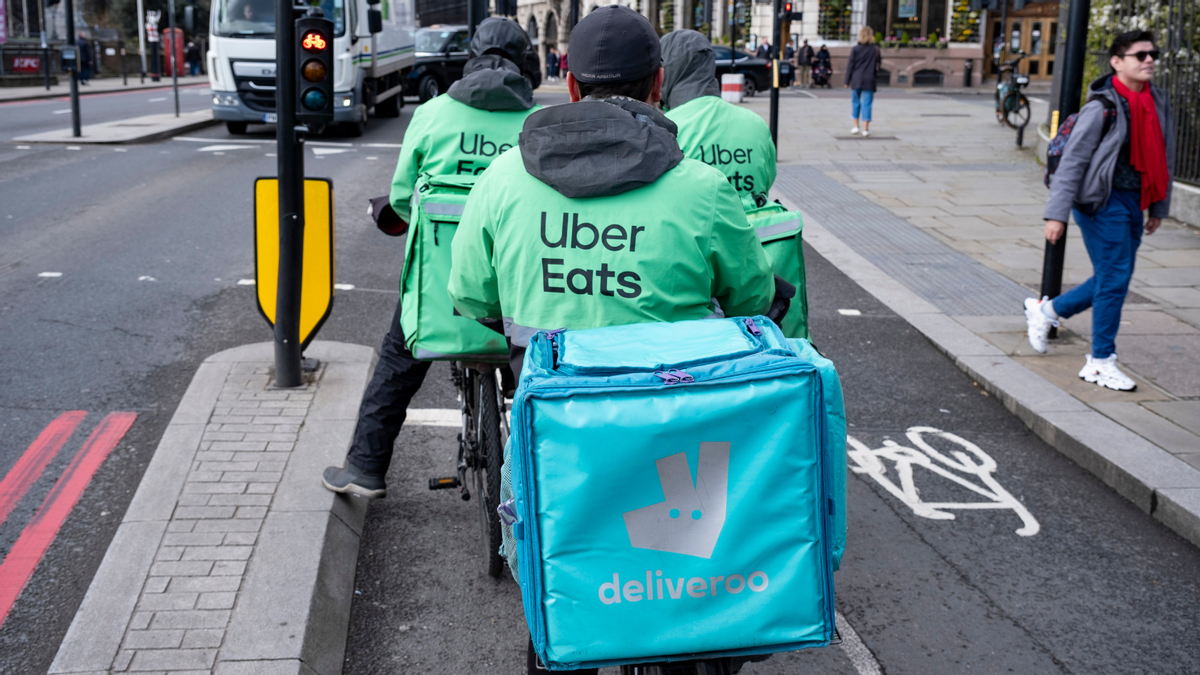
(974, 462)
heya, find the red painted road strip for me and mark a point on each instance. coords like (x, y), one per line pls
(31, 464)
(41, 530)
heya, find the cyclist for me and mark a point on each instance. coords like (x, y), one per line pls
(459, 132)
(731, 138)
(597, 219)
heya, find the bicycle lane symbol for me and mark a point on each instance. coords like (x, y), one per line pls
(974, 463)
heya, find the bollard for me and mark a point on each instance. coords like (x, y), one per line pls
(124, 70)
(967, 68)
(733, 87)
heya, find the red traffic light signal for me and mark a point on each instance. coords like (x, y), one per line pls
(314, 79)
(787, 7)
(314, 41)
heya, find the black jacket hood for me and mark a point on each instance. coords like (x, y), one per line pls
(689, 68)
(492, 82)
(599, 148)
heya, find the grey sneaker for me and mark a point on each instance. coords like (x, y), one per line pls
(350, 480)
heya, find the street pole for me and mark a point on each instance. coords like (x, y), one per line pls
(45, 58)
(1004, 38)
(776, 29)
(1068, 104)
(291, 201)
(141, 22)
(175, 50)
(71, 42)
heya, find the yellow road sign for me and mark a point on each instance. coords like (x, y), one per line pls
(316, 289)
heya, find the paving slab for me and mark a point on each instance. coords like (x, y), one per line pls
(133, 130)
(232, 557)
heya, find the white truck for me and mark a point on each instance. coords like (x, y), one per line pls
(369, 70)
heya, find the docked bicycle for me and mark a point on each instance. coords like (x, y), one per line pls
(1012, 108)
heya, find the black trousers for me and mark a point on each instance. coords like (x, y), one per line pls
(397, 378)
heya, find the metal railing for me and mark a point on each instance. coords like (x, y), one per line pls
(1174, 23)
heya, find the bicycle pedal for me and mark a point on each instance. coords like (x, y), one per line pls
(466, 495)
(443, 483)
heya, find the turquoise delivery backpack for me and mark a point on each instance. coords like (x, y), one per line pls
(432, 330)
(679, 492)
(779, 231)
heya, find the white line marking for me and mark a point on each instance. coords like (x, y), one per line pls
(810, 95)
(321, 152)
(981, 466)
(434, 417)
(146, 278)
(849, 312)
(246, 282)
(372, 158)
(330, 144)
(223, 148)
(218, 153)
(156, 100)
(860, 657)
(74, 147)
(271, 154)
(60, 112)
(120, 150)
(1037, 100)
(23, 147)
(197, 139)
(344, 287)
(381, 145)
(50, 275)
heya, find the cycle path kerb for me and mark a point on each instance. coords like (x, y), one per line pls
(232, 557)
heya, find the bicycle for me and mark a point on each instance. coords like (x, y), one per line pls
(480, 450)
(1012, 108)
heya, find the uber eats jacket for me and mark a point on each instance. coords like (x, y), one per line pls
(465, 129)
(712, 130)
(596, 219)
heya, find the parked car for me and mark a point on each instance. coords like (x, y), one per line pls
(441, 53)
(757, 71)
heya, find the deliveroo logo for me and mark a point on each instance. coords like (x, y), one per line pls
(690, 519)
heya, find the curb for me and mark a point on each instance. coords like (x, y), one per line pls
(292, 609)
(1156, 481)
(112, 90)
(89, 133)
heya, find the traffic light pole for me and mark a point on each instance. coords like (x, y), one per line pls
(776, 29)
(75, 124)
(291, 201)
(1068, 104)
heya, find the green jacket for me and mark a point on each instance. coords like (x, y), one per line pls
(597, 220)
(731, 138)
(448, 137)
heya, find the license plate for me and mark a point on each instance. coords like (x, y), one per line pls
(270, 118)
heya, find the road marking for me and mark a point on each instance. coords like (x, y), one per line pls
(156, 100)
(982, 466)
(372, 158)
(30, 466)
(23, 147)
(120, 150)
(321, 152)
(434, 417)
(246, 282)
(197, 139)
(146, 278)
(849, 312)
(223, 148)
(37, 536)
(344, 287)
(74, 147)
(381, 145)
(809, 94)
(60, 112)
(330, 144)
(860, 657)
(50, 275)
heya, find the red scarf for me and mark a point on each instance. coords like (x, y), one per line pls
(1147, 148)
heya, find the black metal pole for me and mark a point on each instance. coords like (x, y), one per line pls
(1068, 104)
(1004, 38)
(45, 59)
(174, 51)
(71, 42)
(776, 30)
(124, 69)
(291, 201)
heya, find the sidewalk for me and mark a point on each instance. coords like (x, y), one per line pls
(951, 210)
(106, 85)
(232, 558)
(133, 130)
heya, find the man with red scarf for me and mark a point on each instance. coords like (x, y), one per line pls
(1117, 164)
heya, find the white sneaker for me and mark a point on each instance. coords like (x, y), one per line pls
(865, 133)
(1039, 324)
(1105, 373)
(854, 131)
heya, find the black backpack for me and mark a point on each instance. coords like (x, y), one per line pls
(1059, 143)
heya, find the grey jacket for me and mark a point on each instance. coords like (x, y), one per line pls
(1085, 171)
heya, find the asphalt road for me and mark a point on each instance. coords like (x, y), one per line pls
(150, 242)
(20, 118)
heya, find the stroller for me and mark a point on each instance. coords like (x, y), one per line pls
(821, 73)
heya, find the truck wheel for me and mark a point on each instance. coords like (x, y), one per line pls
(428, 88)
(355, 129)
(236, 128)
(389, 107)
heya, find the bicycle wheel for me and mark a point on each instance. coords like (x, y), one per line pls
(1017, 111)
(490, 456)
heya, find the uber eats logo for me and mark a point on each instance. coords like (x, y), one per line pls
(477, 145)
(584, 236)
(722, 158)
(689, 521)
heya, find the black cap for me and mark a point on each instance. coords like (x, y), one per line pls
(613, 44)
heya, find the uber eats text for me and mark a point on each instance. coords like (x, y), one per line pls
(720, 157)
(612, 592)
(573, 234)
(479, 146)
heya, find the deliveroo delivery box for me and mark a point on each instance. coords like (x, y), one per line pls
(673, 493)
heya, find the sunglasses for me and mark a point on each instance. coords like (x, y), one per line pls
(1141, 56)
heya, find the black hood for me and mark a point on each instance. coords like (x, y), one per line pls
(599, 148)
(689, 68)
(492, 82)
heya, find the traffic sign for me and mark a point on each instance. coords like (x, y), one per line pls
(316, 286)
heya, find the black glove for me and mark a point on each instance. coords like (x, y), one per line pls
(784, 292)
(386, 218)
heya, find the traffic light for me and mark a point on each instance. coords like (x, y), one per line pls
(789, 15)
(314, 79)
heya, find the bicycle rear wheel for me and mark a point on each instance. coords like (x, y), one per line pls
(1017, 111)
(489, 457)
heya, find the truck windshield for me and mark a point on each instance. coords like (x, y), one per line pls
(256, 18)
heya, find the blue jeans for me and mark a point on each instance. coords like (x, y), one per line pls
(860, 104)
(1112, 237)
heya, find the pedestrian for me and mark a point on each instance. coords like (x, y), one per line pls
(787, 74)
(822, 68)
(562, 62)
(552, 64)
(764, 50)
(492, 99)
(86, 60)
(1115, 166)
(733, 139)
(804, 62)
(192, 58)
(860, 79)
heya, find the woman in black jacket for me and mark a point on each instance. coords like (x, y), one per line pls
(860, 79)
